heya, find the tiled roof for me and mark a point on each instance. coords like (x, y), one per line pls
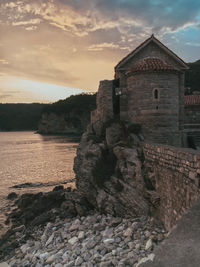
(192, 100)
(152, 64)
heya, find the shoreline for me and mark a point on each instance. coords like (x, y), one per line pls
(80, 237)
(25, 188)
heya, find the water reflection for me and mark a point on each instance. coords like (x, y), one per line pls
(28, 157)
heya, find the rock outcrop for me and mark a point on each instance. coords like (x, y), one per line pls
(69, 116)
(108, 168)
(65, 123)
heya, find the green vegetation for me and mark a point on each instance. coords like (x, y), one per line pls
(192, 77)
(19, 117)
(81, 103)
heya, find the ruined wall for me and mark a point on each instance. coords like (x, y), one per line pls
(175, 173)
(104, 101)
(159, 117)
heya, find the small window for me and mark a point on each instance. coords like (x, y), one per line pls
(156, 94)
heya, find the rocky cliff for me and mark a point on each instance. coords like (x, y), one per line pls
(69, 116)
(108, 169)
(65, 123)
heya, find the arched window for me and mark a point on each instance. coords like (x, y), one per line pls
(156, 94)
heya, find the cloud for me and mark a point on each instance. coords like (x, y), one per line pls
(4, 62)
(31, 21)
(84, 17)
(100, 47)
(5, 96)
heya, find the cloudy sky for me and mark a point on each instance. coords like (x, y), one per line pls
(50, 49)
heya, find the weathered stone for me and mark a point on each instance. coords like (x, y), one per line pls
(73, 240)
(128, 232)
(113, 134)
(148, 258)
(50, 259)
(148, 245)
(50, 239)
(78, 261)
(109, 241)
(12, 196)
(81, 235)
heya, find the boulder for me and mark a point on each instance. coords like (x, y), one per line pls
(12, 196)
(113, 134)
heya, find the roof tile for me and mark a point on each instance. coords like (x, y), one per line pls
(192, 100)
(152, 64)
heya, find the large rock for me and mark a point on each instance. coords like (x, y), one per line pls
(109, 172)
(113, 134)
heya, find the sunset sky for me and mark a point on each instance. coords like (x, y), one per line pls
(50, 49)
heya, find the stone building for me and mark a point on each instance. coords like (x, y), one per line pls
(148, 89)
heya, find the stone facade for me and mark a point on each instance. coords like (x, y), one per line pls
(159, 117)
(174, 174)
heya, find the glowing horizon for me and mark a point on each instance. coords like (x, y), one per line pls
(27, 91)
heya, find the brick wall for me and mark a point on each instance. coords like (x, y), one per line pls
(176, 175)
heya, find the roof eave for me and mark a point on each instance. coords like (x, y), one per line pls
(145, 43)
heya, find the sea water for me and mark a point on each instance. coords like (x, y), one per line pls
(41, 161)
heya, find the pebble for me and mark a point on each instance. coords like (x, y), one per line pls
(73, 240)
(148, 244)
(91, 241)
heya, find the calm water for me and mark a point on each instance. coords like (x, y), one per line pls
(28, 157)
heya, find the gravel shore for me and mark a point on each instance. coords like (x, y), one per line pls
(94, 240)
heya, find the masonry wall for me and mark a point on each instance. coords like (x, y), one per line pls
(175, 173)
(192, 117)
(159, 117)
(104, 101)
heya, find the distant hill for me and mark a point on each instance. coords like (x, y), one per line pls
(69, 116)
(81, 103)
(19, 117)
(192, 76)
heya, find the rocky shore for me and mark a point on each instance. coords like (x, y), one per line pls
(69, 232)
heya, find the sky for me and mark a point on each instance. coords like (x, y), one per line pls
(50, 49)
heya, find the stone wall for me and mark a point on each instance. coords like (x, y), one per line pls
(192, 117)
(159, 117)
(104, 101)
(175, 177)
